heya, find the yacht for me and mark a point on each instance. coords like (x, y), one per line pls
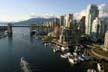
(45, 44)
(64, 48)
(91, 70)
(56, 50)
(73, 60)
(100, 67)
(85, 57)
(80, 58)
(25, 67)
(66, 55)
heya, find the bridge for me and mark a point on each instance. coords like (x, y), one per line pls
(9, 27)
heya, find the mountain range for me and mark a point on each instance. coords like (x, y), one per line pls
(30, 21)
(34, 21)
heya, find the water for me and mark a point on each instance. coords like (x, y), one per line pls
(41, 58)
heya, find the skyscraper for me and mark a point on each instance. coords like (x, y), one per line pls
(91, 13)
(82, 25)
(96, 27)
(68, 20)
(61, 20)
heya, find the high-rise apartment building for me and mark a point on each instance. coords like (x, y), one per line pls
(96, 27)
(68, 20)
(82, 25)
(61, 20)
(91, 13)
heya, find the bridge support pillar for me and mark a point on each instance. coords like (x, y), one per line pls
(32, 28)
(9, 30)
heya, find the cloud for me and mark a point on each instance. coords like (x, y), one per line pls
(14, 19)
(78, 15)
(46, 15)
(103, 12)
(25, 17)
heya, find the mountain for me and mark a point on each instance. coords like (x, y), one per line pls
(34, 21)
(3, 23)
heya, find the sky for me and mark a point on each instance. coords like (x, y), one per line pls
(17, 10)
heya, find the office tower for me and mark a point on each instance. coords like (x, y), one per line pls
(68, 20)
(56, 31)
(82, 25)
(91, 13)
(96, 27)
(61, 20)
(105, 23)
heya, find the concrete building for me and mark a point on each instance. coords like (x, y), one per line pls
(74, 25)
(69, 30)
(82, 25)
(103, 29)
(104, 22)
(56, 32)
(62, 37)
(69, 36)
(68, 20)
(106, 42)
(56, 21)
(62, 21)
(96, 27)
(91, 13)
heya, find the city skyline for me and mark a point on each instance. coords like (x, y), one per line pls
(16, 10)
(54, 36)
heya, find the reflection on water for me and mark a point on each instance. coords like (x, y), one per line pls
(41, 59)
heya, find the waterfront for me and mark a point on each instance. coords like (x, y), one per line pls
(41, 59)
(47, 36)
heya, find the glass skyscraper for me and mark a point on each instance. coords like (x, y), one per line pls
(91, 13)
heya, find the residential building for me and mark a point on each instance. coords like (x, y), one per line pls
(62, 21)
(106, 41)
(96, 27)
(91, 13)
(68, 20)
(82, 25)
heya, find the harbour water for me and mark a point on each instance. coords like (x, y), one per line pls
(40, 58)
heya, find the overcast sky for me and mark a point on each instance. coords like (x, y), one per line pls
(16, 10)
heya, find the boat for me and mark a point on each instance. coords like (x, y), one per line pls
(85, 57)
(75, 54)
(56, 50)
(81, 59)
(91, 70)
(64, 48)
(100, 67)
(66, 55)
(72, 60)
(45, 44)
(25, 67)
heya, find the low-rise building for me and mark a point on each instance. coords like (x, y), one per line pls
(106, 42)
